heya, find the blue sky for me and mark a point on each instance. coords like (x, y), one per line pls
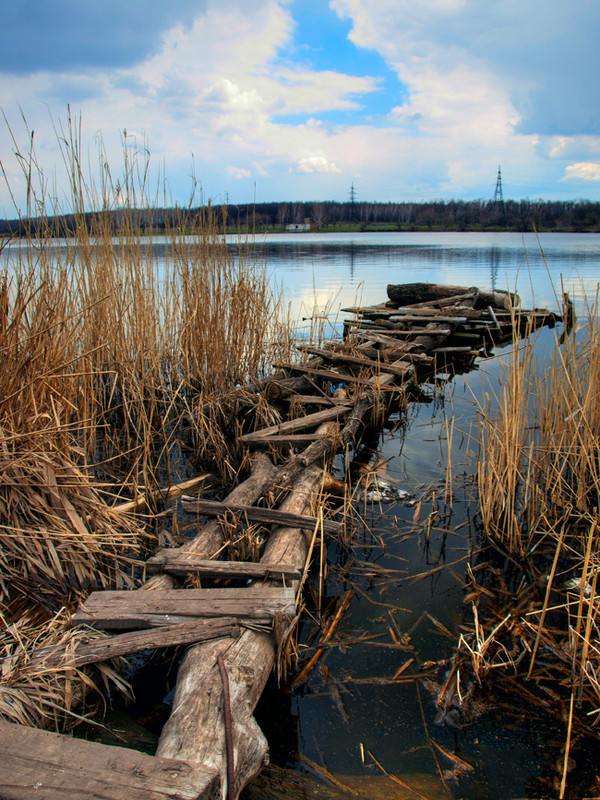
(298, 99)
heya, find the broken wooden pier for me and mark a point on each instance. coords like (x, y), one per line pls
(211, 746)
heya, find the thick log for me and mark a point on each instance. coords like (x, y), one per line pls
(107, 647)
(49, 766)
(146, 609)
(408, 293)
(195, 729)
(172, 561)
(270, 516)
(301, 423)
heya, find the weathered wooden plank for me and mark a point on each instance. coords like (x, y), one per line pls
(289, 440)
(391, 328)
(180, 563)
(107, 647)
(147, 609)
(270, 516)
(359, 361)
(301, 423)
(49, 766)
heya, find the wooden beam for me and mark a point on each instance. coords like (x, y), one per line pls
(49, 766)
(300, 423)
(148, 609)
(168, 494)
(107, 647)
(178, 562)
(359, 361)
(271, 516)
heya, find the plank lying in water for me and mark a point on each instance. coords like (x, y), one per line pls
(49, 766)
(107, 647)
(148, 609)
(178, 562)
(271, 516)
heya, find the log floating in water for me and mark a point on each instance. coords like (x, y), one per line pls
(50, 766)
(147, 609)
(271, 516)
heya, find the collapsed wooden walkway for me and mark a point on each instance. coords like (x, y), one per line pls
(211, 746)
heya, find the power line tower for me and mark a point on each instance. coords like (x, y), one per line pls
(498, 196)
(352, 195)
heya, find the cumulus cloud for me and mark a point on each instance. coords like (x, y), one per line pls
(583, 171)
(316, 163)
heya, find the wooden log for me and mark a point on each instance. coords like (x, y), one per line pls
(49, 766)
(147, 609)
(171, 560)
(409, 293)
(408, 319)
(395, 328)
(195, 729)
(300, 423)
(107, 647)
(271, 516)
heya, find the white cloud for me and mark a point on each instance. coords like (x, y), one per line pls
(316, 163)
(583, 171)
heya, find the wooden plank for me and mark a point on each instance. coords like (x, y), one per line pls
(337, 377)
(147, 609)
(271, 516)
(289, 440)
(391, 328)
(359, 361)
(180, 563)
(300, 423)
(168, 494)
(49, 766)
(106, 647)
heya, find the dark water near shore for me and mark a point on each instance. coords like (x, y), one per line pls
(350, 713)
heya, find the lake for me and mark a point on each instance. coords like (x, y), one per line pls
(352, 711)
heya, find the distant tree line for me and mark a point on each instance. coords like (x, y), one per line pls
(453, 215)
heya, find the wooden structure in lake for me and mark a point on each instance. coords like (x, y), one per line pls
(211, 746)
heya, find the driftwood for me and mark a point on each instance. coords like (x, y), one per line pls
(144, 609)
(409, 293)
(270, 516)
(49, 766)
(359, 361)
(107, 647)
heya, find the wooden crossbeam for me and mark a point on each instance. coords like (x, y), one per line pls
(270, 516)
(49, 766)
(107, 647)
(148, 609)
(301, 423)
(178, 562)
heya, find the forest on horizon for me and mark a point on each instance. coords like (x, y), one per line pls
(438, 215)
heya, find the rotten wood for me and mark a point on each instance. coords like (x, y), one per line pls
(107, 647)
(195, 729)
(50, 766)
(300, 423)
(359, 361)
(146, 609)
(177, 563)
(270, 516)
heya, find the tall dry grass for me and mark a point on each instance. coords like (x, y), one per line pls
(539, 493)
(112, 351)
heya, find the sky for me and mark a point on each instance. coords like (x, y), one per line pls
(290, 100)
